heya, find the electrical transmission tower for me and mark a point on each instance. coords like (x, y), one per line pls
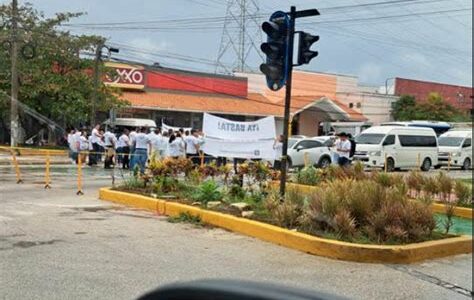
(241, 36)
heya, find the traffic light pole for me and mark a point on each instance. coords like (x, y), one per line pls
(289, 70)
(14, 118)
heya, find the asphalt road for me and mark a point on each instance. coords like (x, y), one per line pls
(56, 245)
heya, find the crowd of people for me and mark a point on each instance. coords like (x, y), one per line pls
(130, 148)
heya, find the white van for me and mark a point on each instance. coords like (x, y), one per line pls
(457, 146)
(130, 123)
(404, 147)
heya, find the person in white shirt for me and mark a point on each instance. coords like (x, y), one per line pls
(175, 145)
(278, 148)
(75, 142)
(83, 146)
(165, 145)
(343, 149)
(123, 149)
(70, 143)
(110, 141)
(192, 147)
(141, 143)
(158, 144)
(95, 140)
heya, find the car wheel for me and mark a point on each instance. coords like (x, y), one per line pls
(426, 165)
(289, 164)
(437, 167)
(324, 162)
(466, 164)
(390, 165)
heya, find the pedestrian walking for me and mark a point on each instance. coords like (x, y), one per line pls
(83, 146)
(175, 146)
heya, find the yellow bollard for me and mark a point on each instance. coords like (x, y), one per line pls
(79, 176)
(201, 155)
(418, 161)
(17, 167)
(449, 161)
(385, 163)
(47, 178)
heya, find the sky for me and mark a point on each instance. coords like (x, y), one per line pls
(418, 39)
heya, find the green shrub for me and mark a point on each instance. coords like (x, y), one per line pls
(430, 186)
(207, 191)
(463, 193)
(286, 212)
(165, 184)
(308, 175)
(445, 184)
(133, 183)
(415, 181)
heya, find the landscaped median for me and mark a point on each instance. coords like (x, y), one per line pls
(408, 253)
(459, 211)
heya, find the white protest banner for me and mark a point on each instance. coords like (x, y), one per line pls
(227, 129)
(165, 127)
(227, 138)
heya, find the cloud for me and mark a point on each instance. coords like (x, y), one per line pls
(146, 48)
(370, 72)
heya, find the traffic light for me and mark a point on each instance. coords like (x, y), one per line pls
(305, 55)
(276, 50)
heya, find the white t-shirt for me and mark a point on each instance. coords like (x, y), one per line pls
(110, 139)
(344, 145)
(123, 141)
(132, 136)
(191, 142)
(84, 143)
(182, 147)
(95, 138)
(141, 141)
(174, 148)
(69, 138)
(278, 147)
(75, 140)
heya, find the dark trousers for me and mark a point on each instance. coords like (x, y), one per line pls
(277, 164)
(95, 157)
(123, 157)
(195, 159)
(343, 161)
(221, 161)
(109, 157)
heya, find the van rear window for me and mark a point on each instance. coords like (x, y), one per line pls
(417, 141)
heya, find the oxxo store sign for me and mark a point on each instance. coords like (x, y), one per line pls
(125, 76)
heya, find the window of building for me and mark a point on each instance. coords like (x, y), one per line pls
(417, 141)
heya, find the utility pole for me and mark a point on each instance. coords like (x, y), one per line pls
(289, 68)
(98, 54)
(14, 119)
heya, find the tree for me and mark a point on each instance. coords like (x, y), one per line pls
(434, 108)
(57, 82)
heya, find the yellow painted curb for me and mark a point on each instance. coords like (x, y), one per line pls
(462, 212)
(459, 211)
(300, 241)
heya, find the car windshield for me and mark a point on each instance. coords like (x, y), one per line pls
(450, 141)
(291, 142)
(370, 138)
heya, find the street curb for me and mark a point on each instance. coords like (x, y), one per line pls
(459, 211)
(399, 254)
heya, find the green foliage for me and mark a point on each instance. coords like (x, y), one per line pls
(463, 193)
(186, 218)
(308, 176)
(57, 81)
(133, 183)
(207, 191)
(433, 108)
(165, 184)
(445, 184)
(286, 212)
(375, 209)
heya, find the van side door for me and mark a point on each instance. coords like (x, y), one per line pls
(467, 149)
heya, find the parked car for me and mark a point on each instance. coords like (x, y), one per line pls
(399, 147)
(319, 153)
(457, 146)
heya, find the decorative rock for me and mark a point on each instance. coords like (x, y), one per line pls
(241, 206)
(212, 204)
(247, 213)
(154, 195)
(196, 204)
